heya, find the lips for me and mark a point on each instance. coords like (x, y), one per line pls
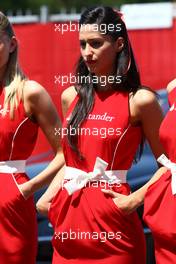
(91, 62)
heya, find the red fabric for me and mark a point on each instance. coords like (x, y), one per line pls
(160, 204)
(108, 147)
(18, 136)
(18, 227)
(89, 210)
(92, 212)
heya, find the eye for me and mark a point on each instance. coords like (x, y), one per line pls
(82, 44)
(96, 44)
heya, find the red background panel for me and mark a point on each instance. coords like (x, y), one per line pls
(155, 55)
(46, 53)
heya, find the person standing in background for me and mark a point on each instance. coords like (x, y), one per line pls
(160, 199)
(24, 106)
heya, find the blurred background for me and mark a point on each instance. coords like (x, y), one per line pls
(55, 5)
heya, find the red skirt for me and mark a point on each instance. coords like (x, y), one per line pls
(160, 215)
(90, 228)
(18, 226)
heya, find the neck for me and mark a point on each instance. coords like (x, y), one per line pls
(104, 88)
(105, 80)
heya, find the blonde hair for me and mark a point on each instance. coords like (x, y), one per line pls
(14, 79)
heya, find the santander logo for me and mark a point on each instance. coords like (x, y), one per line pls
(104, 117)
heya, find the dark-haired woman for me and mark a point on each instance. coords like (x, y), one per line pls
(110, 119)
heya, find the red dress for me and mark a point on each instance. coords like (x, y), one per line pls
(160, 203)
(89, 227)
(18, 227)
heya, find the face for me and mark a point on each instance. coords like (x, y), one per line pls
(98, 50)
(7, 46)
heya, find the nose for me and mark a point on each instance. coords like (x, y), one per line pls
(88, 50)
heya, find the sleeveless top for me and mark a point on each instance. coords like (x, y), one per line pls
(17, 136)
(167, 131)
(105, 133)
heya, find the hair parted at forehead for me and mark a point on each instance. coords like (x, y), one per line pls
(107, 16)
(113, 26)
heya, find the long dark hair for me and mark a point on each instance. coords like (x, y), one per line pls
(125, 68)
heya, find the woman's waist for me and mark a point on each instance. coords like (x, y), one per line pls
(98, 173)
(19, 177)
(87, 163)
(123, 188)
(78, 178)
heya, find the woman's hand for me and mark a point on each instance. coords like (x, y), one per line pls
(44, 203)
(25, 190)
(126, 203)
(43, 206)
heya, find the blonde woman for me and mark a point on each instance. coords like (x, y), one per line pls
(24, 106)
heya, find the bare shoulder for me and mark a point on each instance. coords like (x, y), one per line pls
(67, 98)
(36, 98)
(33, 90)
(68, 95)
(145, 107)
(144, 97)
(171, 85)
